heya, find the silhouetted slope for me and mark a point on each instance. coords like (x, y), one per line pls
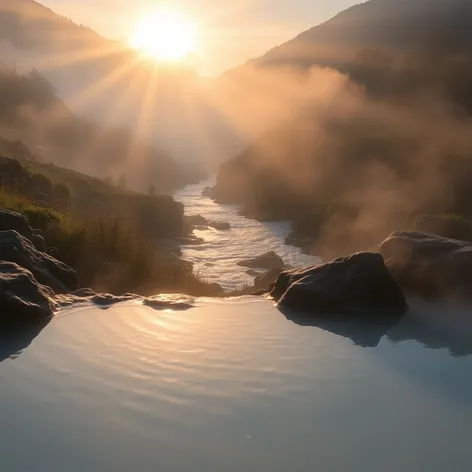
(383, 142)
(30, 110)
(390, 25)
(107, 81)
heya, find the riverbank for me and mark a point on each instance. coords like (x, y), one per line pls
(216, 257)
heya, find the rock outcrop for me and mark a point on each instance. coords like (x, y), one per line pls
(219, 225)
(269, 260)
(428, 264)
(196, 220)
(46, 270)
(22, 298)
(360, 283)
(12, 220)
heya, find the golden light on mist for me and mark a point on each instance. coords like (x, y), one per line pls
(165, 35)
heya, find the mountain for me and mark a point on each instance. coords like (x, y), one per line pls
(31, 111)
(378, 131)
(393, 26)
(106, 81)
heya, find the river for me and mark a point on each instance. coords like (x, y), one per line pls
(216, 259)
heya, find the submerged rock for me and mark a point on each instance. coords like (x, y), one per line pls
(269, 260)
(47, 270)
(220, 225)
(356, 284)
(196, 220)
(429, 264)
(22, 298)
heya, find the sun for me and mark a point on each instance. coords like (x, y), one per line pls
(165, 35)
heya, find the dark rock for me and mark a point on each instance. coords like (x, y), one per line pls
(263, 281)
(220, 225)
(22, 298)
(270, 260)
(196, 220)
(84, 292)
(360, 283)
(253, 273)
(17, 222)
(13, 175)
(47, 270)
(429, 264)
(107, 300)
(191, 241)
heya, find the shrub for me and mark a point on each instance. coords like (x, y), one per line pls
(40, 183)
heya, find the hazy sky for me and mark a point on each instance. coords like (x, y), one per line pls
(230, 31)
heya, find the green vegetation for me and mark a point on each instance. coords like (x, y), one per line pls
(109, 236)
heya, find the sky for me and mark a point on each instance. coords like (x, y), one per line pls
(229, 31)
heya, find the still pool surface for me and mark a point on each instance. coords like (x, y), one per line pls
(235, 386)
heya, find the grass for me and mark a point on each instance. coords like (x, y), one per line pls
(109, 254)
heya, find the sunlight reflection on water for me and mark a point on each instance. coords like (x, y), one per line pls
(230, 385)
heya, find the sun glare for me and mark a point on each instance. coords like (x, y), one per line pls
(165, 35)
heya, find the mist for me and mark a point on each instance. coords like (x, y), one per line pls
(349, 160)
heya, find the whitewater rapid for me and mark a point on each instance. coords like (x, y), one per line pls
(216, 259)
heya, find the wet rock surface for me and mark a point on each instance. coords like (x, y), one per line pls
(22, 298)
(10, 220)
(269, 260)
(360, 283)
(46, 270)
(219, 225)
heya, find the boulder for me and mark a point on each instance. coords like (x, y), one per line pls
(360, 283)
(22, 298)
(16, 221)
(263, 281)
(428, 264)
(47, 270)
(196, 220)
(220, 225)
(269, 260)
(13, 175)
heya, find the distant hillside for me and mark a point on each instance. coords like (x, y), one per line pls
(373, 144)
(30, 110)
(105, 80)
(394, 26)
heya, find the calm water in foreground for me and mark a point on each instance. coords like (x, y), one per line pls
(235, 386)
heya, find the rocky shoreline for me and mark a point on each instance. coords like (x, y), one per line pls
(34, 285)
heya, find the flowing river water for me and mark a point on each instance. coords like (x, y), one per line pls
(216, 259)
